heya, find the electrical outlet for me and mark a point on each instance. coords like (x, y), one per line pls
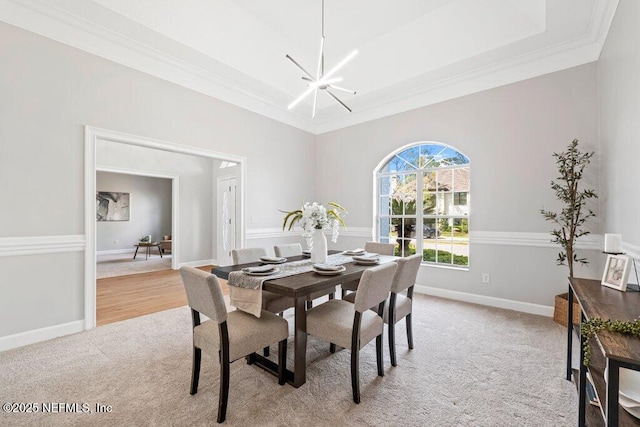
(115, 242)
(486, 277)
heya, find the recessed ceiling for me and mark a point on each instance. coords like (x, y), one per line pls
(411, 52)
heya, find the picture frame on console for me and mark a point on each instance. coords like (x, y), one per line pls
(616, 272)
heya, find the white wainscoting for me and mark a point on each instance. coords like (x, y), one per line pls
(541, 240)
(37, 245)
(278, 233)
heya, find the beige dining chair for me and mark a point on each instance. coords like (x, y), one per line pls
(352, 326)
(227, 336)
(271, 302)
(400, 306)
(373, 247)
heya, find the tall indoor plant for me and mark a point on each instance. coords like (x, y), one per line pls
(574, 213)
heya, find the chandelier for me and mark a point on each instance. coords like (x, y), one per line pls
(322, 81)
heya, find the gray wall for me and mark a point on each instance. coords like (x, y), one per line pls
(509, 134)
(619, 103)
(150, 210)
(49, 92)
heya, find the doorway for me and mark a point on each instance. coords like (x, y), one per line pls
(109, 141)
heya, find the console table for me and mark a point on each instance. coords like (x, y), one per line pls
(610, 350)
(148, 246)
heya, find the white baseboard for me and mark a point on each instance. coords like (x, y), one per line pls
(197, 263)
(524, 307)
(116, 251)
(43, 334)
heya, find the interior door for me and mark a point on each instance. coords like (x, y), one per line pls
(227, 220)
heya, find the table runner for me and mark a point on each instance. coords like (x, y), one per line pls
(245, 291)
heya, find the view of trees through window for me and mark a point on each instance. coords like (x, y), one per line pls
(423, 204)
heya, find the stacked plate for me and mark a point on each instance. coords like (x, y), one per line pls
(629, 396)
(368, 259)
(328, 270)
(352, 252)
(273, 259)
(263, 270)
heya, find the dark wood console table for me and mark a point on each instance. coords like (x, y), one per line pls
(610, 350)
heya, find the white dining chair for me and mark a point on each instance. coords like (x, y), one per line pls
(372, 247)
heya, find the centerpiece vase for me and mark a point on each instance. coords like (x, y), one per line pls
(319, 248)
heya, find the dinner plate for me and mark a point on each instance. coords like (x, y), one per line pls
(330, 272)
(273, 260)
(355, 252)
(262, 273)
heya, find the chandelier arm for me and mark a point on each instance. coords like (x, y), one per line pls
(315, 100)
(301, 97)
(300, 67)
(337, 99)
(352, 92)
(340, 64)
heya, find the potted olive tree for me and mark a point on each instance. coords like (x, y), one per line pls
(569, 221)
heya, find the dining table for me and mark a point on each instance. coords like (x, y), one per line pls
(299, 287)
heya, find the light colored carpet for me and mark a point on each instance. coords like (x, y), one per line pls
(471, 366)
(124, 264)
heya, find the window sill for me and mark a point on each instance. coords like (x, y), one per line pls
(446, 267)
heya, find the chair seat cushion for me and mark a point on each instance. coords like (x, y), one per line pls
(333, 322)
(403, 306)
(247, 333)
(275, 303)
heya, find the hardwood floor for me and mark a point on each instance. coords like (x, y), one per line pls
(126, 297)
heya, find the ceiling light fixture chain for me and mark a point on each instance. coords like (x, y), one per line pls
(322, 82)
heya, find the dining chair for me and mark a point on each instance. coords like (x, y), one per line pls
(227, 336)
(400, 306)
(352, 326)
(271, 302)
(295, 249)
(373, 247)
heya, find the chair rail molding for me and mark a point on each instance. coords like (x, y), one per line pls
(37, 245)
(277, 233)
(543, 240)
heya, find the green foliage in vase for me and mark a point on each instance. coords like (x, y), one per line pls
(571, 164)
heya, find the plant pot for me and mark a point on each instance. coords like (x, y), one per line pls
(561, 310)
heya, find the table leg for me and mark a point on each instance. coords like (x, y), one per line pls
(159, 250)
(300, 343)
(134, 255)
(613, 385)
(569, 333)
(148, 253)
(582, 379)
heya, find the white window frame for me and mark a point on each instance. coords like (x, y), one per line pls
(419, 215)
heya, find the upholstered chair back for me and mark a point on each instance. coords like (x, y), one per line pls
(380, 248)
(292, 249)
(374, 286)
(406, 274)
(204, 293)
(247, 255)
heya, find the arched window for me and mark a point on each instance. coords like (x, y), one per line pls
(426, 184)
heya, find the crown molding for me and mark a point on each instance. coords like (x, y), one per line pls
(245, 92)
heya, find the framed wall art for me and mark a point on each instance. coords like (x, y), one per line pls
(616, 272)
(113, 206)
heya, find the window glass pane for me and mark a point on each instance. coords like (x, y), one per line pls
(385, 205)
(429, 203)
(411, 156)
(441, 204)
(397, 164)
(385, 184)
(387, 230)
(403, 192)
(461, 179)
(405, 230)
(444, 180)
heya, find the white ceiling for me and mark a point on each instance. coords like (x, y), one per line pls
(411, 52)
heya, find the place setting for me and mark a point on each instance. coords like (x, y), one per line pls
(354, 252)
(263, 270)
(327, 269)
(272, 260)
(366, 259)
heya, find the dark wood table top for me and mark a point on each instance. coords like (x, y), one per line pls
(607, 303)
(303, 284)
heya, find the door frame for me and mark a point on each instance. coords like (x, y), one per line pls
(91, 137)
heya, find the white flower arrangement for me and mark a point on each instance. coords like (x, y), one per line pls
(314, 216)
